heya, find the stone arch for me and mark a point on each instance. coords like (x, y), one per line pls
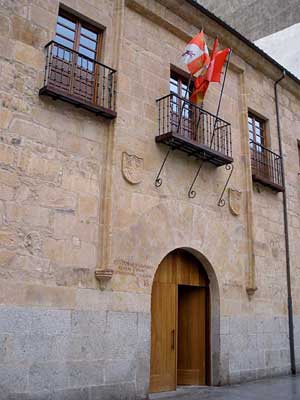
(214, 309)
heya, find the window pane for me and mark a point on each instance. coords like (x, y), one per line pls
(64, 42)
(86, 52)
(85, 64)
(258, 139)
(87, 42)
(66, 22)
(173, 86)
(61, 53)
(61, 30)
(91, 66)
(184, 91)
(89, 33)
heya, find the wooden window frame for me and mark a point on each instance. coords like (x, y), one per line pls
(264, 123)
(81, 70)
(80, 22)
(182, 77)
(187, 125)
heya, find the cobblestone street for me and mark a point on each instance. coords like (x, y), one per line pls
(287, 388)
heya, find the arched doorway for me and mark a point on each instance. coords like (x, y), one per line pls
(180, 339)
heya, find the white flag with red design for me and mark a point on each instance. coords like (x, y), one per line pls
(196, 55)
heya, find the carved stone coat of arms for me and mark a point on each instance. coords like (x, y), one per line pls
(235, 200)
(132, 168)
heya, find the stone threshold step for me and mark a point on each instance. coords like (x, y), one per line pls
(182, 391)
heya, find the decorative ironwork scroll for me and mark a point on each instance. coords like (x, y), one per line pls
(222, 202)
(192, 193)
(158, 180)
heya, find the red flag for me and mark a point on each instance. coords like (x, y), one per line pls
(215, 48)
(216, 65)
(196, 55)
(201, 86)
(213, 73)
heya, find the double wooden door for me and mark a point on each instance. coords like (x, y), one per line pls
(179, 330)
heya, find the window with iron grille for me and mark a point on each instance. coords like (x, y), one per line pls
(257, 134)
(74, 56)
(266, 164)
(180, 106)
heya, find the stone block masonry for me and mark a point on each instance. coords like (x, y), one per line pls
(76, 354)
(66, 210)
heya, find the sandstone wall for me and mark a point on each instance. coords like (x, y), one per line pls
(56, 326)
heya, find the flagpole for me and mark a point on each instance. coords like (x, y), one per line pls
(220, 99)
(184, 101)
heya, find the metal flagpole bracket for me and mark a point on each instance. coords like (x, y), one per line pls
(192, 193)
(228, 167)
(158, 180)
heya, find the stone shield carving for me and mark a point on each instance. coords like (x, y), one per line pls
(235, 200)
(132, 168)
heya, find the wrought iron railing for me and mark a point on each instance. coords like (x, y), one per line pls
(189, 121)
(79, 79)
(266, 165)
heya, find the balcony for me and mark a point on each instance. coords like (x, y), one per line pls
(266, 166)
(187, 127)
(80, 80)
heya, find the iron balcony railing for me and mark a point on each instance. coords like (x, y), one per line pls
(266, 166)
(78, 79)
(182, 119)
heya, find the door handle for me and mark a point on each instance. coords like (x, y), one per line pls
(173, 339)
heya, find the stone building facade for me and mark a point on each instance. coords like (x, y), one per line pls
(73, 202)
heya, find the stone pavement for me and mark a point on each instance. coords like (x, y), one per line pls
(283, 388)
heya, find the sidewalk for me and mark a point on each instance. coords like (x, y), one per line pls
(283, 388)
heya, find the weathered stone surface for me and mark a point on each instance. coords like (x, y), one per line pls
(66, 210)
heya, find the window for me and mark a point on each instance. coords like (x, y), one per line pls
(181, 109)
(265, 164)
(73, 72)
(179, 84)
(257, 140)
(257, 134)
(79, 36)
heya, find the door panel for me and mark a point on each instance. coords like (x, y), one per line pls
(163, 337)
(191, 335)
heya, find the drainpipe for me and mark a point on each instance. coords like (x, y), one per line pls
(286, 235)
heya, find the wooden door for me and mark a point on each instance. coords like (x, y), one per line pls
(191, 335)
(179, 339)
(163, 339)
